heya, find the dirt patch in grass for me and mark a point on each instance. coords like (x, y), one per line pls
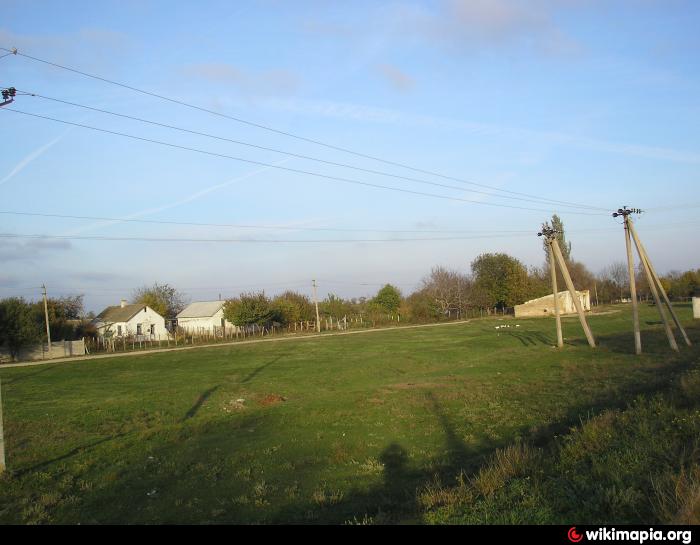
(271, 399)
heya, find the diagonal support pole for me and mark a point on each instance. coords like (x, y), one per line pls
(572, 291)
(655, 295)
(645, 258)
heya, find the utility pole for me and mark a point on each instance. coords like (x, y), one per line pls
(625, 213)
(318, 317)
(2, 437)
(46, 315)
(551, 238)
(555, 291)
(657, 290)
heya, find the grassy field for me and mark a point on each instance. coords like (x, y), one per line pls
(461, 423)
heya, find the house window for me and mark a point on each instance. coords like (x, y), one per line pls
(119, 330)
(138, 329)
(153, 329)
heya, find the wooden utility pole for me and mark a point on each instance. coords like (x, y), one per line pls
(46, 315)
(555, 291)
(551, 236)
(318, 317)
(633, 288)
(2, 436)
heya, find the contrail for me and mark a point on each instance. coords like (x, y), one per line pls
(32, 156)
(184, 200)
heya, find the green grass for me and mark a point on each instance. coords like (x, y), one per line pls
(442, 424)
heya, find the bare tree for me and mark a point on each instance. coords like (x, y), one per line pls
(449, 290)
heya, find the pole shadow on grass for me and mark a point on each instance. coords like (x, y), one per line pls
(531, 338)
(69, 454)
(200, 401)
(25, 376)
(260, 369)
(654, 341)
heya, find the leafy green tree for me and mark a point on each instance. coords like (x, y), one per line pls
(334, 306)
(20, 324)
(564, 246)
(388, 298)
(293, 307)
(422, 307)
(499, 280)
(61, 311)
(250, 309)
(162, 298)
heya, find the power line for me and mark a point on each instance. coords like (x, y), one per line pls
(244, 240)
(301, 228)
(288, 169)
(261, 126)
(247, 226)
(532, 198)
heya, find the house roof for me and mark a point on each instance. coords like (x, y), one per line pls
(201, 309)
(119, 313)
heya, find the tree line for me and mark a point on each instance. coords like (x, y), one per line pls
(494, 281)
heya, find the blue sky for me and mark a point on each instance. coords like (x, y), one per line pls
(581, 101)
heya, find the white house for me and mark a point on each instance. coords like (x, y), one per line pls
(204, 316)
(125, 320)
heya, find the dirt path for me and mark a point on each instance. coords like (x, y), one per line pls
(233, 343)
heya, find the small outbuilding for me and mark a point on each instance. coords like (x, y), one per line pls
(125, 320)
(204, 317)
(544, 306)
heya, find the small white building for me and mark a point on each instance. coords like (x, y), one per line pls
(204, 317)
(544, 306)
(125, 320)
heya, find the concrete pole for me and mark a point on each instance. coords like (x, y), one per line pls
(2, 436)
(318, 317)
(46, 315)
(555, 291)
(633, 288)
(572, 291)
(645, 258)
(655, 295)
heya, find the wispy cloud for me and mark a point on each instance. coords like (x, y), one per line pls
(11, 250)
(269, 82)
(371, 114)
(524, 26)
(397, 78)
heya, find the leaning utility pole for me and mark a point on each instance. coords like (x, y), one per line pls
(318, 318)
(46, 315)
(657, 290)
(555, 253)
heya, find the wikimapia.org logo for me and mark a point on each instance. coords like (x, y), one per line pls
(637, 536)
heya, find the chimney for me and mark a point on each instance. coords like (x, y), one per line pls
(123, 303)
